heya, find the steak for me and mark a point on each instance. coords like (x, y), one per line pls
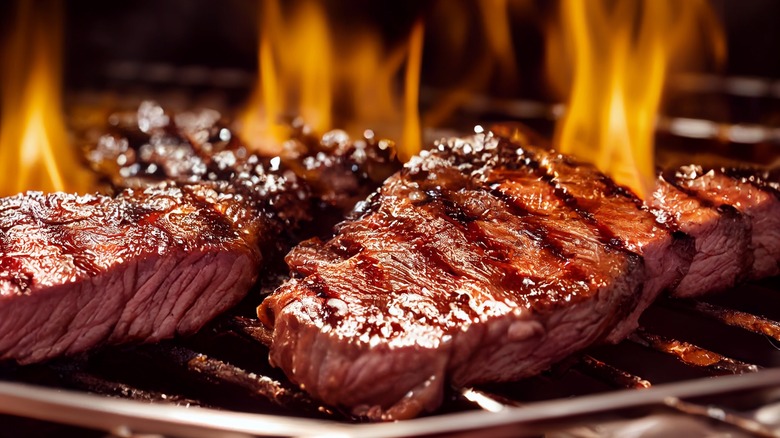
(80, 271)
(484, 260)
(722, 235)
(757, 199)
(152, 145)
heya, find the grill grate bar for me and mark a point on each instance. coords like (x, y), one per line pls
(734, 318)
(249, 328)
(212, 368)
(611, 374)
(216, 371)
(487, 401)
(691, 354)
(90, 382)
(722, 415)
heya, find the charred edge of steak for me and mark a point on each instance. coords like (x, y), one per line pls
(139, 267)
(451, 273)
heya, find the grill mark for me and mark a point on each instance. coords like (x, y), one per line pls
(318, 286)
(440, 204)
(729, 211)
(463, 221)
(617, 190)
(520, 284)
(406, 231)
(215, 220)
(537, 233)
(606, 235)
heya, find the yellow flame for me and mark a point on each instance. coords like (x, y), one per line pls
(347, 79)
(34, 150)
(621, 54)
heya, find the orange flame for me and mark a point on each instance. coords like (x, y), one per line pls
(331, 80)
(34, 147)
(622, 53)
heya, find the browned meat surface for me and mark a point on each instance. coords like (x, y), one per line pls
(722, 235)
(80, 271)
(757, 200)
(481, 261)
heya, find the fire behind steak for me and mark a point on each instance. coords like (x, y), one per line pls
(486, 259)
(195, 219)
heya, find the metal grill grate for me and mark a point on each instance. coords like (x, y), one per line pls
(680, 342)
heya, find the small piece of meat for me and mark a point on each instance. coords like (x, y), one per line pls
(758, 201)
(81, 271)
(722, 235)
(474, 264)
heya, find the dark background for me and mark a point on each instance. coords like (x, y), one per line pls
(204, 45)
(224, 33)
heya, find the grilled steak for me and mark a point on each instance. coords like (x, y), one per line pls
(488, 259)
(483, 260)
(722, 235)
(79, 271)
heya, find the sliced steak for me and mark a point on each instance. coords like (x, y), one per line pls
(80, 271)
(750, 195)
(722, 235)
(471, 265)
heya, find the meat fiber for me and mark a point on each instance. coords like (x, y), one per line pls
(756, 199)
